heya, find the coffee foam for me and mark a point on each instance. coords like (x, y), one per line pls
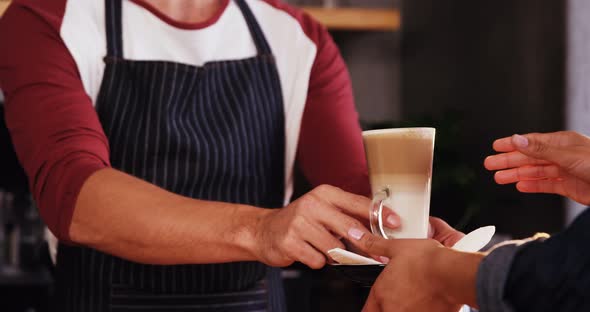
(410, 133)
(399, 151)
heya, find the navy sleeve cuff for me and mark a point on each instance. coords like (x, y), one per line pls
(493, 274)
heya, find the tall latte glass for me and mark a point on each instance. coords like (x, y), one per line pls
(400, 171)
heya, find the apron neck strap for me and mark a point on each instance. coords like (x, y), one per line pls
(114, 28)
(257, 35)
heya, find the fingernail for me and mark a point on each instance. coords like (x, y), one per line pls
(356, 233)
(520, 141)
(384, 260)
(393, 221)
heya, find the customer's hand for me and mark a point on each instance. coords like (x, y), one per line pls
(422, 275)
(307, 228)
(438, 230)
(443, 232)
(557, 163)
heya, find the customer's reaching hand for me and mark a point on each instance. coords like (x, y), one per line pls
(422, 275)
(557, 163)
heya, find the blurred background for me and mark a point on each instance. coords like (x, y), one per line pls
(475, 70)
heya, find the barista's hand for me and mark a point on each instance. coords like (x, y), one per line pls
(307, 228)
(557, 163)
(422, 275)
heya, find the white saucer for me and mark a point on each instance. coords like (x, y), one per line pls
(472, 242)
(476, 240)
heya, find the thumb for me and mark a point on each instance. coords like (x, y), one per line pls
(372, 244)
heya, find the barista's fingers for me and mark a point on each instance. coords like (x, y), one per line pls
(390, 218)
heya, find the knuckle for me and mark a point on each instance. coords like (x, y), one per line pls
(324, 188)
(288, 242)
(335, 188)
(539, 147)
(369, 243)
(305, 202)
(353, 223)
(569, 133)
(292, 232)
(284, 261)
(317, 262)
(289, 255)
(574, 137)
(298, 223)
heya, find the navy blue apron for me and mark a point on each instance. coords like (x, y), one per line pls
(214, 132)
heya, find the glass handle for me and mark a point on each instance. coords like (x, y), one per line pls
(376, 213)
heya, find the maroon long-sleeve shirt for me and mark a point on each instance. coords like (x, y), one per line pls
(51, 68)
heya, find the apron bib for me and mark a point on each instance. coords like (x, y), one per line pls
(212, 132)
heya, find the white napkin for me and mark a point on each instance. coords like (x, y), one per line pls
(472, 242)
(350, 258)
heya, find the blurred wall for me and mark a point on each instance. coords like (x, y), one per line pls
(500, 65)
(374, 63)
(373, 60)
(491, 69)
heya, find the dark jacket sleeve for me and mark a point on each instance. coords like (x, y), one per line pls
(539, 275)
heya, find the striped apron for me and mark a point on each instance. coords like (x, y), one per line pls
(214, 132)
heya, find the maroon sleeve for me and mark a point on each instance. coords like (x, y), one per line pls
(53, 125)
(330, 149)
